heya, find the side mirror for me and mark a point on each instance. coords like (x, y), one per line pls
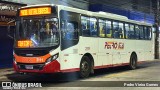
(9, 30)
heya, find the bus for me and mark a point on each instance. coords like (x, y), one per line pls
(56, 39)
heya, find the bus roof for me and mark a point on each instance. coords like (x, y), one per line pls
(37, 5)
(93, 14)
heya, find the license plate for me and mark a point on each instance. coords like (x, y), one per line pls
(29, 66)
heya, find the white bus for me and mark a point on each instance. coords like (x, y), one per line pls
(54, 38)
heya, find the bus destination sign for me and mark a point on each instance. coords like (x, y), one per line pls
(35, 11)
(25, 43)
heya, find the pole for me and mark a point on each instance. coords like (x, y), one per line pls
(157, 31)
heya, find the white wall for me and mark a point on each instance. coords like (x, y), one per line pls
(73, 3)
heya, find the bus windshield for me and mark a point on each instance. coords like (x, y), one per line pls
(37, 32)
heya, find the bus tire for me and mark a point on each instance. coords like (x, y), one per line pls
(85, 67)
(133, 62)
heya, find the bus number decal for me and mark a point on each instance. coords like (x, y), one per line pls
(114, 45)
(39, 59)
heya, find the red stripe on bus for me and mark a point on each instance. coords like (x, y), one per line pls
(108, 66)
(99, 67)
(70, 70)
(104, 66)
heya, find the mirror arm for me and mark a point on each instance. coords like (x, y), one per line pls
(8, 29)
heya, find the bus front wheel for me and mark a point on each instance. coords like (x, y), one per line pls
(85, 67)
(133, 62)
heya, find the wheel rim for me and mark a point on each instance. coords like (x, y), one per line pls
(133, 62)
(84, 67)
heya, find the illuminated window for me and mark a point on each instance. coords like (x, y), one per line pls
(130, 32)
(127, 31)
(137, 30)
(121, 30)
(108, 29)
(85, 26)
(102, 28)
(118, 29)
(141, 32)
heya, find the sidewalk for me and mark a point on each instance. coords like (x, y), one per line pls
(6, 71)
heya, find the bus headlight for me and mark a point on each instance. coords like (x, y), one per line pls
(50, 59)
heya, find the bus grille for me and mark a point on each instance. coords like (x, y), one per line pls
(35, 66)
(35, 53)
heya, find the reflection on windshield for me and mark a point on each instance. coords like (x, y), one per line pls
(69, 30)
(43, 32)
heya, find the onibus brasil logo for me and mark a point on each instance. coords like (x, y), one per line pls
(17, 85)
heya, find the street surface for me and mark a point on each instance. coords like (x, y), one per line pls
(111, 78)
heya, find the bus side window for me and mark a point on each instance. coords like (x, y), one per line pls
(150, 33)
(108, 29)
(85, 26)
(147, 33)
(127, 30)
(132, 34)
(116, 30)
(121, 30)
(102, 28)
(93, 27)
(137, 35)
(141, 32)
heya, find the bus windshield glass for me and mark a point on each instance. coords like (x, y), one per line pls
(36, 32)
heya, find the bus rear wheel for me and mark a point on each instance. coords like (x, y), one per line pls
(133, 62)
(85, 67)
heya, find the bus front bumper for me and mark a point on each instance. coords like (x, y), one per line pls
(52, 67)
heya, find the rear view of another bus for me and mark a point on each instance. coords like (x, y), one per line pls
(35, 36)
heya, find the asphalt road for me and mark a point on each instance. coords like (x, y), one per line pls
(112, 78)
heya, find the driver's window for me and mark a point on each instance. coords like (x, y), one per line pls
(69, 30)
(69, 27)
